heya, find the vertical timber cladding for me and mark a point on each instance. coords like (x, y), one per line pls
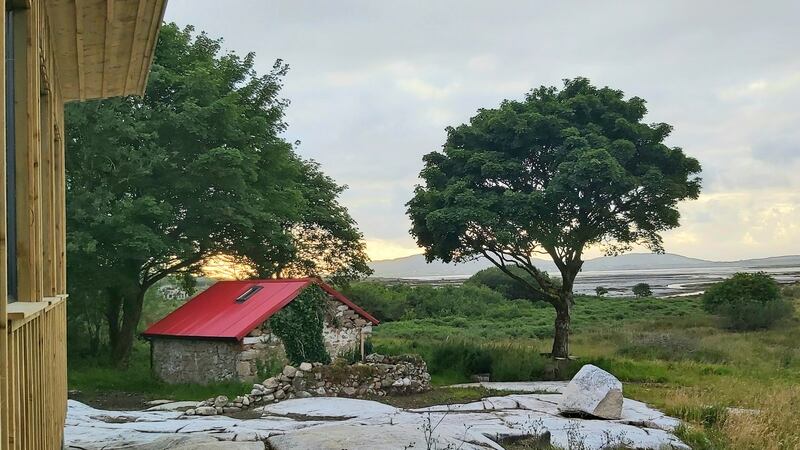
(40, 160)
(33, 350)
(3, 248)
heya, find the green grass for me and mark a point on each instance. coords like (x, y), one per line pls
(97, 378)
(537, 323)
(668, 352)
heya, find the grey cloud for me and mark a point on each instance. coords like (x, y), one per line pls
(373, 84)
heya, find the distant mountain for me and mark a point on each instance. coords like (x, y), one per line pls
(415, 266)
(632, 261)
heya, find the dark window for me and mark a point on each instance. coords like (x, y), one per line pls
(11, 157)
(247, 294)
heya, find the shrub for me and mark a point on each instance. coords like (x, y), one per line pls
(601, 291)
(498, 281)
(747, 301)
(461, 356)
(642, 290)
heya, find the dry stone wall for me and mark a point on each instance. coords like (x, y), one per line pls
(378, 376)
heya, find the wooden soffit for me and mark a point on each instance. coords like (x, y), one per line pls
(103, 48)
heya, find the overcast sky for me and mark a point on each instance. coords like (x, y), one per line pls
(373, 84)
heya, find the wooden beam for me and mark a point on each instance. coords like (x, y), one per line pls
(159, 6)
(107, 52)
(4, 403)
(79, 48)
(134, 50)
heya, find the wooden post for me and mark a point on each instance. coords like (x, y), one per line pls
(3, 249)
(361, 335)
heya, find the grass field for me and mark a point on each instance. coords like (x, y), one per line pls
(667, 352)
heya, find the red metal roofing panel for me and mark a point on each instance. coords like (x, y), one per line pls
(214, 313)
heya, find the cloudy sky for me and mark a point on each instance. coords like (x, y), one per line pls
(373, 84)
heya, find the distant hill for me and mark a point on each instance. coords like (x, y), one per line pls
(415, 265)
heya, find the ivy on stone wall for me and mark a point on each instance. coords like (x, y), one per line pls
(299, 326)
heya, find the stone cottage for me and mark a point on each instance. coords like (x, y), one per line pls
(223, 333)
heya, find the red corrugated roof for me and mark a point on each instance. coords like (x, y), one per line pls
(214, 313)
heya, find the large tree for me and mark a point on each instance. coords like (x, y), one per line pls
(553, 174)
(157, 185)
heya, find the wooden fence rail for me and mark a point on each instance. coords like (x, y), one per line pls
(37, 375)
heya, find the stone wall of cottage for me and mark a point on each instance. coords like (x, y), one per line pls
(194, 361)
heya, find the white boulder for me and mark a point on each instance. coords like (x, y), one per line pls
(593, 391)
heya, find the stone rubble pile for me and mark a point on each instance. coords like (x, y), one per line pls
(378, 376)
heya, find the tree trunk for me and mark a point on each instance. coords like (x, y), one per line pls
(561, 340)
(563, 305)
(113, 307)
(131, 313)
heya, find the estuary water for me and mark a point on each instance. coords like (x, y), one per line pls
(663, 282)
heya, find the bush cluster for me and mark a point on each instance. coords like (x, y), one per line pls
(747, 301)
(391, 303)
(458, 359)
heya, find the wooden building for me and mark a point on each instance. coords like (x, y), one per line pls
(56, 51)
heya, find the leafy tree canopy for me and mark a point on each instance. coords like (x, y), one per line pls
(196, 168)
(642, 290)
(552, 174)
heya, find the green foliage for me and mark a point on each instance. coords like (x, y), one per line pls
(269, 367)
(553, 173)
(455, 360)
(195, 168)
(395, 302)
(747, 301)
(601, 291)
(299, 326)
(508, 287)
(353, 355)
(642, 290)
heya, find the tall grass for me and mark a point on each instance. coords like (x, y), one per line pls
(456, 360)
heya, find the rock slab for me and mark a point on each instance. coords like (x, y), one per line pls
(594, 392)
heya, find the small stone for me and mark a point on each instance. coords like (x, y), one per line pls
(246, 401)
(320, 391)
(205, 411)
(279, 395)
(302, 394)
(305, 367)
(220, 401)
(270, 383)
(289, 371)
(349, 390)
(189, 412)
(231, 409)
